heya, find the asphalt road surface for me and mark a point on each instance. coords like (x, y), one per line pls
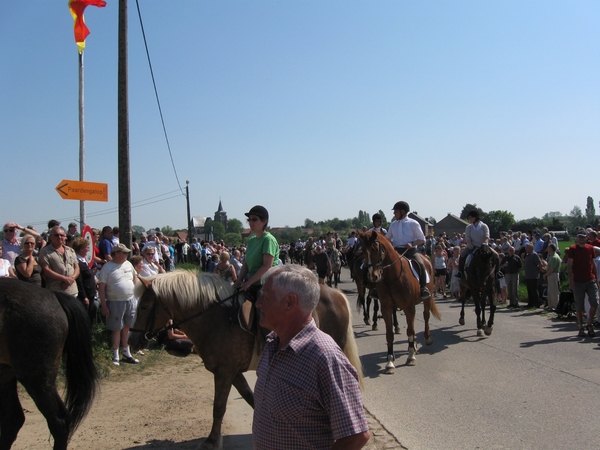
(533, 384)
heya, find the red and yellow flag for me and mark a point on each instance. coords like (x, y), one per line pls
(81, 31)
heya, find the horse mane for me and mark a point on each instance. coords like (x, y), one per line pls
(369, 237)
(188, 288)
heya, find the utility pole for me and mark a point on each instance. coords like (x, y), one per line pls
(123, 131)
(187, 197)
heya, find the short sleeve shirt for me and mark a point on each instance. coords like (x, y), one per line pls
(583, 259)
(61, 264)
(307, 394)
(257, 247)
(119, 280)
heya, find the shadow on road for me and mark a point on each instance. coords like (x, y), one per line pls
(235, 442)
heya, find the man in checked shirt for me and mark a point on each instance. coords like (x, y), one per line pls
(307, 394)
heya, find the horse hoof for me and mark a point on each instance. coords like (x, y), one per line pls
(210, 445)
(411, 362)
(397, 330)
(488, 331)
(374, 327)
(480, 332)
(390, 368)
(461, 321)
(429, 340)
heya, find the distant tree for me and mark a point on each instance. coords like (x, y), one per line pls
(498, 221)
(383, 218)
(468, 208)
(551, 215)
(308, 223)
(590, 211)
(218, 230)
(233, 239)
(167, 230)
(576, 217)
(138, 230)
(234, 226)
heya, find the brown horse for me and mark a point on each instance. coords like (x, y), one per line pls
(367, 294)
(397, 288)
(37, 328)
(205, 307)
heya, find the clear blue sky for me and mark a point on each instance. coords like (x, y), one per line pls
(314, 109)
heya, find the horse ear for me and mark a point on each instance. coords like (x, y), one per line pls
(147, 283)
(372, 236)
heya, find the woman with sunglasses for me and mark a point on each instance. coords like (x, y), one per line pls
(26, 266)
(11, 244)
(149, 265)
(262, 251)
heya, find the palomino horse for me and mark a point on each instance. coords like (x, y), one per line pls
(479, 281)
(334, 256)
(37, 328)
(397, 288)
(364, 286)
(205, 308)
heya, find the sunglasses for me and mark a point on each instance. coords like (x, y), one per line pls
(9, 230)
(60, 235)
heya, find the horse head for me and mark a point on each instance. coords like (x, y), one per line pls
(147, 321)
(374, 252)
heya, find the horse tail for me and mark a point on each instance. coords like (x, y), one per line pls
(80, 370)
(434, 310)
(351, 349)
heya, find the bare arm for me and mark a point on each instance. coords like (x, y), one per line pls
(354, 442)
(26, 268)
(267, 264)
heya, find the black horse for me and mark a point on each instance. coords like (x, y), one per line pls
(37, 328)
(479, 281)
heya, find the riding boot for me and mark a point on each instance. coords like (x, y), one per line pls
(425, 294)
(461, 267)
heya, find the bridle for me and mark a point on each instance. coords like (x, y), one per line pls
(150, 335)
(379, 264)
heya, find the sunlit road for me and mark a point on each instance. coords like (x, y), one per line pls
(533, 384)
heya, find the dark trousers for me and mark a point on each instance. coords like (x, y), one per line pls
(533, 300)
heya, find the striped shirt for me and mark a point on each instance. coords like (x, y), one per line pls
(307, 394)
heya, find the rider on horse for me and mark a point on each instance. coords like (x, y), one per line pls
(406, 235)
(476, 235)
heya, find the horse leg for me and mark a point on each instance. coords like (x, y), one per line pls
(223, 384)
(396, 326)
(43, 392)
(375, 311)
(11, 412)
(390, 366)
(243, 388)
(410, 332)
(490, 325)
(426, 316)
(478, 300)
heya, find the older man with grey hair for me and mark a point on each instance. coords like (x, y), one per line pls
(307, 394)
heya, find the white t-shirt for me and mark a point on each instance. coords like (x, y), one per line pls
(4, 266)
(118, 279)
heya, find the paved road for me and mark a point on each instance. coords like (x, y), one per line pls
(533, 384)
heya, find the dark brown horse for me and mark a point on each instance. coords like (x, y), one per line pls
(205, 308)
(479, 281)
(367, 294)
(37, 328)
(397, 287)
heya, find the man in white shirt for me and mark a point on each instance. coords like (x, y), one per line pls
(406, 235)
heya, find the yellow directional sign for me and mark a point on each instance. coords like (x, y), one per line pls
(82, 190)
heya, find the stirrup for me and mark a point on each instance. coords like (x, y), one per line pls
(425, 294)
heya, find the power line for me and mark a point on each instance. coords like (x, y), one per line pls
(156, 94)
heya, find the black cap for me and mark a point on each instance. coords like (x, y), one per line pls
(259, 211)
(401, 206)
(376, 216)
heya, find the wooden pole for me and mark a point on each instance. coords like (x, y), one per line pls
(81, 142)
(123, 131)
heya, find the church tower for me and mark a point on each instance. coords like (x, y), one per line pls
(221, 216)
